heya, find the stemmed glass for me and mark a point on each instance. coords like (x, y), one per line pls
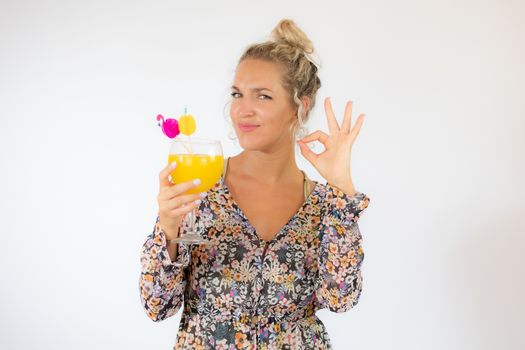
(196, 158)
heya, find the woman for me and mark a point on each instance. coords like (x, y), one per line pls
(283, 246)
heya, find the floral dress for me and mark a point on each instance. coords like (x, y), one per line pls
(242, 292)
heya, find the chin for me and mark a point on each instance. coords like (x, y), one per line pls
(250, 145)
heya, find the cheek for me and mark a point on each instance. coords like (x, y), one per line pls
(233, 109)
(275, 129)
(281, 120)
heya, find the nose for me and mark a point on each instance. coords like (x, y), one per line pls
(242, 107)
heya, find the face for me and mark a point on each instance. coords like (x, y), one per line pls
(261, 111)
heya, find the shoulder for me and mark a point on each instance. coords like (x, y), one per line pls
(329, 192)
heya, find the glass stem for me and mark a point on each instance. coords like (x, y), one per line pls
(191, 217)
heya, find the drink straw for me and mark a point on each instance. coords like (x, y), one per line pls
(190, 150)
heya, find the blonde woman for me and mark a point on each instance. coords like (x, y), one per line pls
(284, 246)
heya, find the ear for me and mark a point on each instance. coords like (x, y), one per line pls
(307, 102)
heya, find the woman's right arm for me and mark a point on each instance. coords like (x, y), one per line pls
(162, 281)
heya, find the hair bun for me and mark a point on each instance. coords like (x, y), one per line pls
(287, 31)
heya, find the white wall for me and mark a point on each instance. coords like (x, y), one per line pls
(441, 155)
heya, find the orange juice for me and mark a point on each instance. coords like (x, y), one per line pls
(196, 166)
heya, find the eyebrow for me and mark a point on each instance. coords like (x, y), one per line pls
(254, 89)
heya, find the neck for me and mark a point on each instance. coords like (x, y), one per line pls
(279, 166)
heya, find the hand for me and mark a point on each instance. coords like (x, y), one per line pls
(173, 203)
(334, 163)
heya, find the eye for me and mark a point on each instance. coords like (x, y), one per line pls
(261, 97)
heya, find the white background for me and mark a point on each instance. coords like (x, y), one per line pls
(441, 155)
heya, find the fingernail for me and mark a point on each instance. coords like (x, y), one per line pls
(203, 194)
(173, 165)
(197, 181)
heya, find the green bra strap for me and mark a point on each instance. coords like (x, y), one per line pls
(224, 167)
(306, 185)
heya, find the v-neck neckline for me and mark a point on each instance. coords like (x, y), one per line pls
(276, 236)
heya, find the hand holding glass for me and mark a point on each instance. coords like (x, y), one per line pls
(196, 159)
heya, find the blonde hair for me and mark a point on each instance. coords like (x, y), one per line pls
(290, 48)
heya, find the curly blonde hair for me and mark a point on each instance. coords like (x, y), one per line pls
(290, 48)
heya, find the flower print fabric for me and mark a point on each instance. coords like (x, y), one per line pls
(242, 292)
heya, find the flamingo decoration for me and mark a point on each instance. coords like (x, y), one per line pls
(170, 127)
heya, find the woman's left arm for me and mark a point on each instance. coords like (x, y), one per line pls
(340, 255)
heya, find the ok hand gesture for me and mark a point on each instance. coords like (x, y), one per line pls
(334, 163)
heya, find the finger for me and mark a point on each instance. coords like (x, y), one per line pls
(168, 192)
(165, 173)
(317, 135)
(183, 200)
(184, 209)
(307, 153)
(347, 121)
(355, 130)
(333, 126)
(181, 188)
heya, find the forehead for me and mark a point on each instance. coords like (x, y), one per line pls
(255, 73)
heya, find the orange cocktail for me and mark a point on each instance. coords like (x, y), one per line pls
(207, 168)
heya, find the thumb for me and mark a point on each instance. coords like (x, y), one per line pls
(307, 152)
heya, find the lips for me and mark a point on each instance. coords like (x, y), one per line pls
(247, 127)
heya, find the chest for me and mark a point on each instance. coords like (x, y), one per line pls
(268, 209)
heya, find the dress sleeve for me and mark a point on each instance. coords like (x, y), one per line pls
(339, 281)
(162, 282)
